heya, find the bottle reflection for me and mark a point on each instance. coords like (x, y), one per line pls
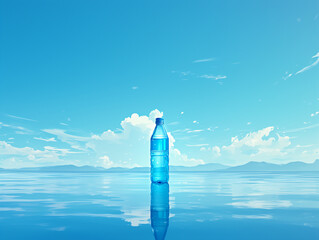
(159, 209)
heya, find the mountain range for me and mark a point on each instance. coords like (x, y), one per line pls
(248, 167)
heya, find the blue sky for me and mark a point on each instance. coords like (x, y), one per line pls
(82, 81)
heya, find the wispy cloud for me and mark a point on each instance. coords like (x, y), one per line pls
(301, 129)
(20, 130)
(21, 118)
(134, 87)
(218, 77)
(311, 65)
(73, 140)
(203, 60)
(173, 123)
(197, 145)
(45, 139)
(197, 130)
(288, 75)
(314, 114)
(181, 130)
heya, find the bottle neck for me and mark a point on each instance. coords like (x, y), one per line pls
(159, 131)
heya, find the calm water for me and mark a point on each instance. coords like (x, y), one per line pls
(126, 206)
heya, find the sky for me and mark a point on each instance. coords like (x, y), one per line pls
(81, 82)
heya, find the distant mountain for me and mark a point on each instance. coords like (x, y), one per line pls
(199, 168)
(72, 168)
(58, 168)
(263, 166)
(251, 166)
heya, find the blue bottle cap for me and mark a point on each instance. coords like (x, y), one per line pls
(159, 121)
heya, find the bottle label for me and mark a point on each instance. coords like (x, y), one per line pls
(159, 144)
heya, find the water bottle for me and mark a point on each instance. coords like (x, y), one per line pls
(159, 209)
(159, 153)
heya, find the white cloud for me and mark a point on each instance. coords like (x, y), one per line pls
(314, 114)
(14, 157)
(262, 145)
(45, 139)
(180, 159)
(258, 146)
(218, 77)
(265, 145)
(134, 87)
(252, 140)
(73, 140)
(128, 147)
(311, 65)
(203, 60)
(216, 151)
(105, 162)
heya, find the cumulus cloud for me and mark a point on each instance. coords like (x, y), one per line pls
(216, 151)
(180, 159)
(258, 146)
(14, 156)
(264, 145)
(105, 162)
(261, 145)
(128, 147)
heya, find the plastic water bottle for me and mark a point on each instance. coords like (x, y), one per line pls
(159, 209)
(159, 153)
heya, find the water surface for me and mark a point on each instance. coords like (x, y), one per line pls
(214, 205)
